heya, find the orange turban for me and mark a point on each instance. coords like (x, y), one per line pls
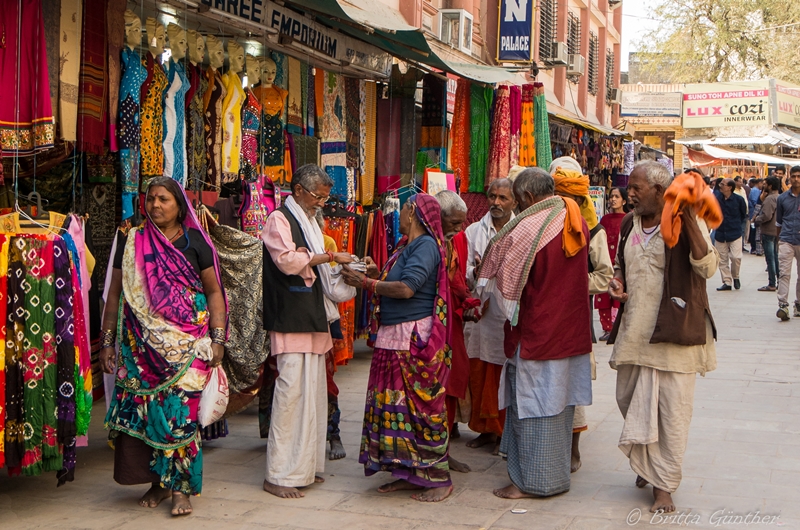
(571, 182)
(688, 189)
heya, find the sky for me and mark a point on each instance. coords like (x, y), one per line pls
(637, 19)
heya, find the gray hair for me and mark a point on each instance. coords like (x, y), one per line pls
(655, 173)
(501, 183)
(535, 181)
(310, 176)
(450, 202)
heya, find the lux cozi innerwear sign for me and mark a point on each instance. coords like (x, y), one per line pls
(307, 32)
(726, 105)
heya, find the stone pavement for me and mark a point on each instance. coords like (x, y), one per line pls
(743, 457)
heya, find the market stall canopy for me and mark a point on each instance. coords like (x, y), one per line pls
(777, 135)
(736, 154)
(596, 127)
(386, 28)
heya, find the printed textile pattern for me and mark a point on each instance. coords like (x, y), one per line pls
(232, 126)
(459, 154)
(273, 102)
(195, 129)
(152, 120)
(115, 33)
(3, 326)
(175, 160)
(212, 105)
(251, 129)
(334, 126)
(129, 127)
(294, 122)
(15, 353)
(544, 153)
(480, 104)
(515, 103)
(527, 138)
(366, 185)
(92, 111)
(26, 116)
(309, 97)
(353, 121)
(342, 230)
(500, 143)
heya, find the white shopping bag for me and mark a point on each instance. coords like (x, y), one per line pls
(214, 400)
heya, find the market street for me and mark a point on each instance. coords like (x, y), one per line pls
(743, 457)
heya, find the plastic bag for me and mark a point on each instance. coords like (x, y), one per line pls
(214, 400)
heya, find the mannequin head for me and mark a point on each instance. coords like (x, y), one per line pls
(197, 47)
(156, 37)
(268, 72)
(177, 41)
(235, 56)
(253, 69)
(133, 29)
(216, 55)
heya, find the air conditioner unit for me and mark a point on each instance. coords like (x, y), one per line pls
(559, 54)
(613, 4)
(577, 64)
(615, 96)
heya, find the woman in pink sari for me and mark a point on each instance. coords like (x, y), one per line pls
(172, 330)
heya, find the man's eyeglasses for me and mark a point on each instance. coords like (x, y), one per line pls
(317, 197)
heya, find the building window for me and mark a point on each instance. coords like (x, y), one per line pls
(609, 72)
(573, 34)
(593, 60)
(548, 10)
(456, 29)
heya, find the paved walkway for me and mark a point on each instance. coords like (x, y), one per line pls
(743, 457)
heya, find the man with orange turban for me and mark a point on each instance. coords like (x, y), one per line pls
(572, 184)
(535, 269)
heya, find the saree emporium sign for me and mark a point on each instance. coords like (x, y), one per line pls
(304, 31)
(515, 31)
(786, 103)
(726, 104)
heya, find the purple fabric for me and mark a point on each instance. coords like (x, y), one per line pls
(387, 168)
(65, 357)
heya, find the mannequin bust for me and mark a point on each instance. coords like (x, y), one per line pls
(156, 37)
(253, 69)
(268, 72)
(216, 55)
(235, 57)
(133, 30)
(177, 41)
(197, 47)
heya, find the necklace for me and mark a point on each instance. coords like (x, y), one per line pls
(652, 230)
(174, 237)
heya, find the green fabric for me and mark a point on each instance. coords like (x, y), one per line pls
(480, 104)
(541, 129)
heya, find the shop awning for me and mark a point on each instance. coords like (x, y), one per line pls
(596, 127)
(736, 154)
(392, 34)
(777, 135)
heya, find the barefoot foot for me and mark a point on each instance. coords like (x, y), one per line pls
(433, 494)
(154, 496)
(318, 480)
(512, 492)
(575, 459)
(398, 485)
(180, 504)
(282, 491)
(640, 482)
(662, 501)
(455, 465)
(481, 440)
(337, 450)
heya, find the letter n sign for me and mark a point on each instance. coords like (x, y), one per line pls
(515, 30)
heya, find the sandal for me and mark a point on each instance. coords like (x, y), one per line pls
(768, 288)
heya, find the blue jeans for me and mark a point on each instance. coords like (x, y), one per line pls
(770, 244)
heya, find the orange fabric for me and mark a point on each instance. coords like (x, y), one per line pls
(459, 154)
(571, 182)
(574, 240)
(319, 92)
(688, 189)
(342, 232)
(484, 384)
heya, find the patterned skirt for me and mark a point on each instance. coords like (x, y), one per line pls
(405, 419)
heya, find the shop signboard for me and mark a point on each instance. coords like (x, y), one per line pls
(726, 104)
(320, 39)
(786, 103)
(598, 196)
(452, 85)
(515, 31)
(651, 104)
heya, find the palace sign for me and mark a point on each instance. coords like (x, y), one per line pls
(515, 31)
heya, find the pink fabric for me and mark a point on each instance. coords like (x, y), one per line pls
(277, 236)
(398, 336)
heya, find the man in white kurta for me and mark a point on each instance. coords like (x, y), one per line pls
(656, 381)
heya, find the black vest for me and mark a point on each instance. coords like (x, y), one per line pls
(290, 306)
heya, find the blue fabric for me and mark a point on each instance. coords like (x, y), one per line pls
(179, 142)
(787, 216)
(734, 212)
(339, 176)
(417, 267)
(770, 244)
(755, 195)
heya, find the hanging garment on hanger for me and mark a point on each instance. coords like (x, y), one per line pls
(309, 97)
(195, 127)
(212, 104)
(251, 131)
(460, 133)
(515, 105)
(115, 24)
(152, 119)
(273, 102)
(129, 126)
(294, 120)
(26, 116)
(3, 299)
(92, 110)
(353, 122)
(527, 138)
(480, 104)
(500, 143)
(232, 126)
(175, 161)
(69, 48)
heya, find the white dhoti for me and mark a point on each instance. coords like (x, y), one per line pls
(657, 406)
(299, 423)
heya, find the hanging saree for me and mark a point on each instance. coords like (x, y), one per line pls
(459, 153)
(195, 128)
(129, 126)
(544, 153)
(163, 350)
(273, 103)
(152, 119)
(527, 138)
(405, 428)
(251, 130)
(212, 106)
(500, 143)
(366, 184)
(480, 104)
(175, 161)
(232, 126)
(3, 287)
(515, 104)
(294, 120)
